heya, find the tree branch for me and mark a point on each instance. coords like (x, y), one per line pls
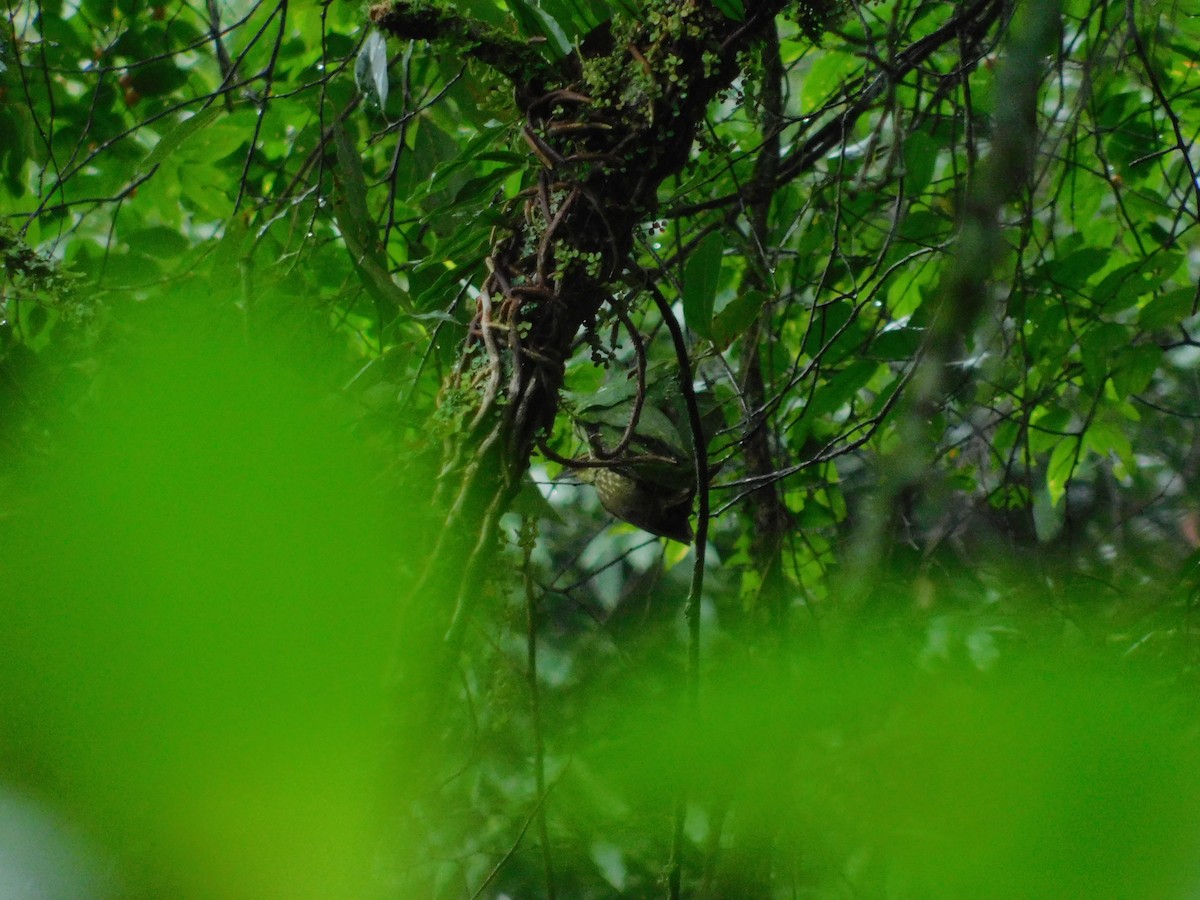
(516, 60)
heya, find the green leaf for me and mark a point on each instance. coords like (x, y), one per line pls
(350, 189)
(431, 147)
(481, 186)
(1167, 310)
(1136, 367)
(736, 316)
(1131, 140)
(920, 158)
(158, 241)
(1046, 428)
(612, 393)
(653, 424)
(896, 344)
(1063, 460)
(535, 21)
(177, 136)
(838, 391)
(1096, 348)
(1105, 437)
(1049, 516)
(828, 321)
(554, 32)
(827, 78)
(631, 8)
(158, 78)
(1010, 496)
(359, 230)
(371, 68)
(1122, 287)
(578, 18)
(1076, 268)
(814, 515)
(13, 150)
(1044, 328)
(476, 150)
(731, 9)
(700, 280)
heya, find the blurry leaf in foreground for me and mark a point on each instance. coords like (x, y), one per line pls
(199, 598)
(1040, 778)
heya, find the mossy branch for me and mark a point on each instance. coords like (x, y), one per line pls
(515, 59)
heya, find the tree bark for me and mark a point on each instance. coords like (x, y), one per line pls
(606, 126)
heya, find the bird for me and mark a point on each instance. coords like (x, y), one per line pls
(651, 483)
(632, 495)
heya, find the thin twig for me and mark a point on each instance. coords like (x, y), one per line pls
(1181, 142)
(517, 843)
(692, 609)
(639, 398)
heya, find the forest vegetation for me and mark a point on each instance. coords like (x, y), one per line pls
(565, 448)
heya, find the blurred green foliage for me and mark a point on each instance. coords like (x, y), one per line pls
(226, 328)
(200, 586)
(1053, 775)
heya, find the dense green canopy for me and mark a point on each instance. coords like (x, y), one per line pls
(321, 323)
